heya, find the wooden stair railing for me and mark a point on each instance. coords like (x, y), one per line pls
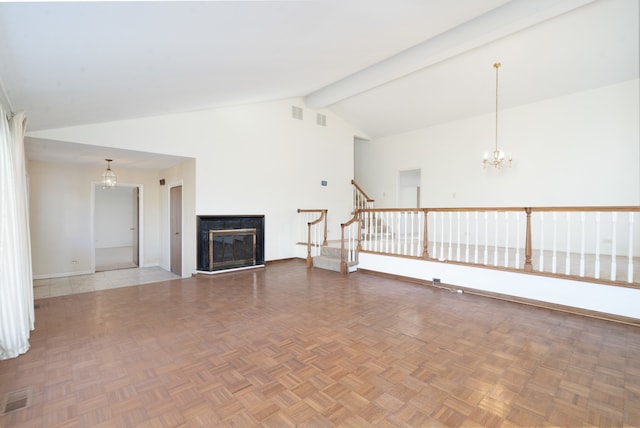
(321, 218)
(572, 242)
(360, 198)
(354, 241)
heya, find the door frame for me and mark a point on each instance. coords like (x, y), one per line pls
(417, 187)
(140, 222)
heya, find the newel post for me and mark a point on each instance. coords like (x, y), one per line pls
(425, 241)
(309, 259)
(528, 266)
(343, 259)
(324, 215)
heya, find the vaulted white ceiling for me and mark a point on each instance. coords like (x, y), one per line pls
(386, 66)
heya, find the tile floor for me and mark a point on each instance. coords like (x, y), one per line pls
(54, 287)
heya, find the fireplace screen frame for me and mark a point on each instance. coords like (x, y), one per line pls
(213, 233)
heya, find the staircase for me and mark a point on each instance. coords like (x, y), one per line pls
(329, 259)
(314, 236)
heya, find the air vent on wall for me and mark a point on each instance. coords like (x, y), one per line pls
(321, 119)
(296, 112)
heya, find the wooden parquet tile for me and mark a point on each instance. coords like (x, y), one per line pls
(287, 347)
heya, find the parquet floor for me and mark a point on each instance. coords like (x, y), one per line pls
(283, 346)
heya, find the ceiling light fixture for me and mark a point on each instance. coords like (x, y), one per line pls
(108, 178)
(498, 155)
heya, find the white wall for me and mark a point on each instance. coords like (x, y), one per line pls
(577, 294)
(61, 210)
(252, 159)
(581, 149)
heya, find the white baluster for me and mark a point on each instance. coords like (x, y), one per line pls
(450, 254)
(394, 231)
(486, 238)
(517, 261)
(398, 232)
(477, 248)
(386, 227)
(401, 228)
(405, 235)
(506, 239)
(466, 250)
(412, 236)
(495, 239)
(597, 266)
(442, 235)
(434, 252)
(353, 230)
(458, 226)
(356, 203)
(541, 268)
(420, 246)
(348, 244)
(554, 258)
(375, 237)
(630, 262)
(365, 230)
(614, 221)
(582, 221)
(314, 240)
(567, 260)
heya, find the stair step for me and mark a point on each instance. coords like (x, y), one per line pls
(330, 252)
(329, 263)
(332, 263)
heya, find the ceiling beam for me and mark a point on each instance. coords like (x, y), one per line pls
(501, 22)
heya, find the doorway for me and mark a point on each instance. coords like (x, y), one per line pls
(175, 229)
(409, 188)
(116, 228)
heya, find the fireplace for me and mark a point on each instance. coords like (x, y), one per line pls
(230, 242)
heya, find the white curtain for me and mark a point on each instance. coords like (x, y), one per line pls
(16, 279)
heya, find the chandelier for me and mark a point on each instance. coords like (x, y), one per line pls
(496, 158)
(108, 178)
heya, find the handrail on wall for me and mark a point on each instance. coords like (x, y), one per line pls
(367, 198)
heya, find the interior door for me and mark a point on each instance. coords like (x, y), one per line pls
(136, 226)
(175, 228)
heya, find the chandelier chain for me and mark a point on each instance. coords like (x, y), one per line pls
(497, 157)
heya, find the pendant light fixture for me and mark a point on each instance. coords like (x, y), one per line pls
(108, 178)
(497, 156)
